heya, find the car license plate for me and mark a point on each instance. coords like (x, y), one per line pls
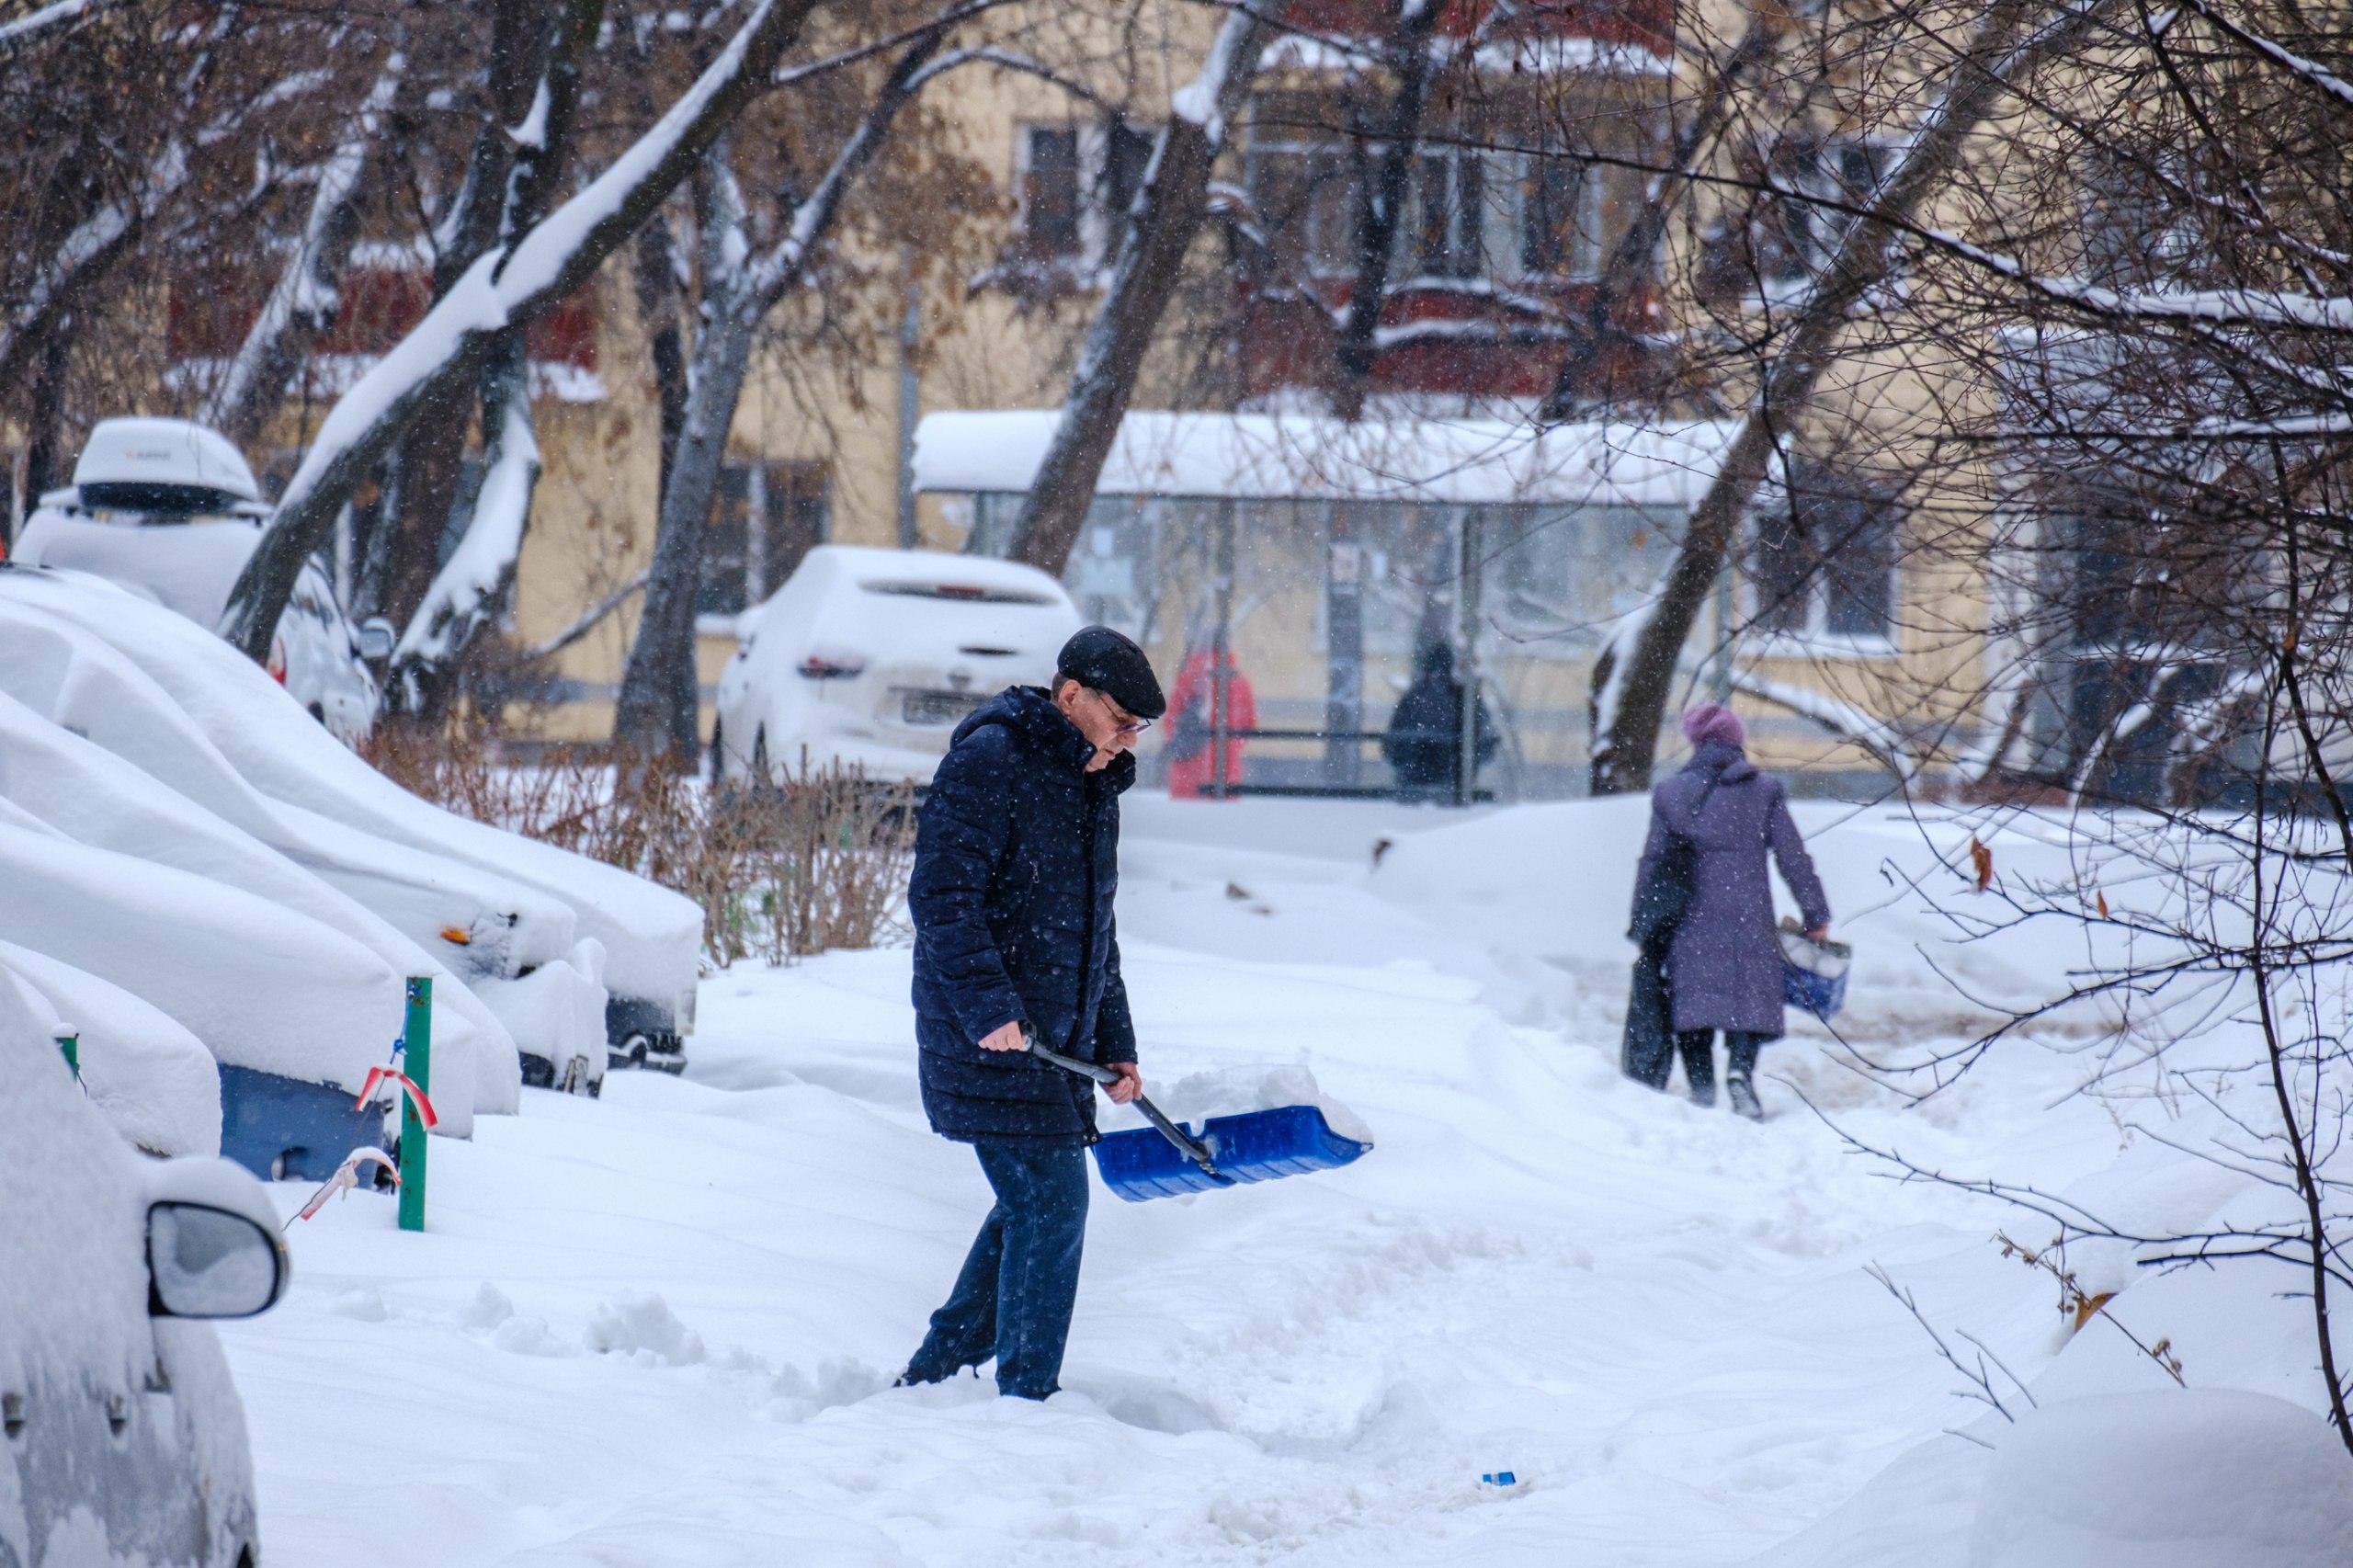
(934, 707)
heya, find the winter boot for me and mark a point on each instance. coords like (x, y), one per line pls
(1743, 1095)
(1698, 1050)
(916, 1377)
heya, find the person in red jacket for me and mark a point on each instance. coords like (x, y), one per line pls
(1193, 769)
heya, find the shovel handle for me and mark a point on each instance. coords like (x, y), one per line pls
(1190, 1146)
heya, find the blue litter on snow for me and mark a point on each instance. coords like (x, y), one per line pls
(1257, 1145)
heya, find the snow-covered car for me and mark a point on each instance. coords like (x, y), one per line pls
(124, 1439)
(147, 1074)
(108, 755)
(650, 937)
(293, 1012)
(169, 510)
(869, 659)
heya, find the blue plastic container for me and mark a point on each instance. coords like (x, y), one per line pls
(1257, 1145)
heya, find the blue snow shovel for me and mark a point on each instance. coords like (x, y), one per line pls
(1254, 1145)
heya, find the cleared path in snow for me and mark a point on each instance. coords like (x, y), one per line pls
(656, 1330)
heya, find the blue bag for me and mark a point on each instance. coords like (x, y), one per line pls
(1813, 974)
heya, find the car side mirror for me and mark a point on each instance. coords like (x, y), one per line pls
(377, 638)
(204, 1262)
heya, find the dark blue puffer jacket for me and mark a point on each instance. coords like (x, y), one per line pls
(1017, 859)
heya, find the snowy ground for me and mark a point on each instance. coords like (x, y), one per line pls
(658, 1329)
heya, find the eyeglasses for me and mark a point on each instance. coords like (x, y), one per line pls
(1122, 720)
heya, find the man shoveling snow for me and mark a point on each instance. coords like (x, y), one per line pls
(1017, 861)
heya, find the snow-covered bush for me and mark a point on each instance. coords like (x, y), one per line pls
(804, 864)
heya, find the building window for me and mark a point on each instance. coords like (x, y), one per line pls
(1473, 211)
(1127, 153)
(1450, 213)
(764, 518)
(1302, 188)
(2139, 226)
(1824, 562)
(1560, 220)
(1826, 178)
(1077, 185)
(1049, 191)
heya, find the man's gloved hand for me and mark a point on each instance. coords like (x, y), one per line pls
(1005, 1037)
(1130, 1085)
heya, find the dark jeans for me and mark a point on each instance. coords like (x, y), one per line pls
(1698, 1047)
(1013, 1295)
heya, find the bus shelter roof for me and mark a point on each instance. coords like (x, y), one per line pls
(1296, 457)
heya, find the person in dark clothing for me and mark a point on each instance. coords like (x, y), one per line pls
(1017, 862)
(1423, 743)
(1723, 961)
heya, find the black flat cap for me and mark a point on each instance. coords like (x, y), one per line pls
(1114, 666)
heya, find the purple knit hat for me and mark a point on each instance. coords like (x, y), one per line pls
(1713, 721)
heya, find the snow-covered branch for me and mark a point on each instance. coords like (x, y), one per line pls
(94, 244)
(12, 33)
(2320, 77)
(545, 136)
(303, 303)
(508, 286)
(765, 277)
(874, 48)
(2206, 307)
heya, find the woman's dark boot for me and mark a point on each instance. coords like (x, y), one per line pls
(1698, 1048)
(1740, 1076)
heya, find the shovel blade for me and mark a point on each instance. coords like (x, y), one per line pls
(1257, 1145)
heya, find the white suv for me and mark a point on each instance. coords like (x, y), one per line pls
(169, 510)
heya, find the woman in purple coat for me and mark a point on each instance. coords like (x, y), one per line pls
(1723, 963)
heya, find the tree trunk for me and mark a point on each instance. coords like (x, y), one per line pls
(467, 593)
(657, 711)
(405, 549)
(1631, 701)
(425, 468)
(1152, 259)
(1380, 203)
(45, 417)
(656, 276)
(535, 81)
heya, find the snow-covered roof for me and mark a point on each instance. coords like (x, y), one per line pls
(1550, 55)
(1273, 456)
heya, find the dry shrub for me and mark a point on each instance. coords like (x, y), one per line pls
(814, 860)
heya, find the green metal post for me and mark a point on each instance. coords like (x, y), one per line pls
(417, 1033)
(71, 1044)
